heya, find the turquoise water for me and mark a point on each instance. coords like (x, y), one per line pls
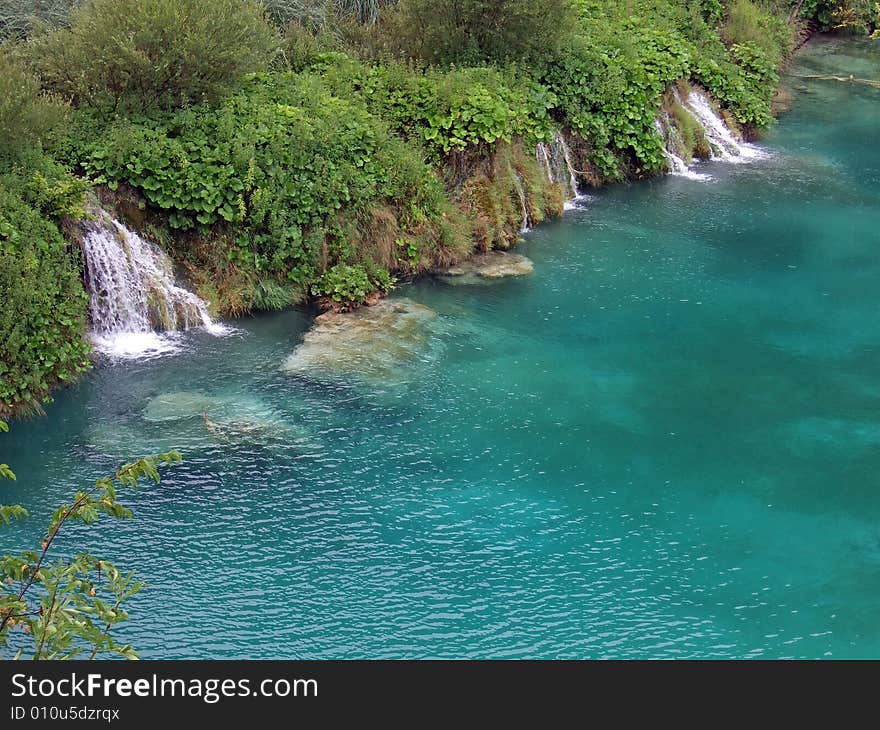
(664, 443)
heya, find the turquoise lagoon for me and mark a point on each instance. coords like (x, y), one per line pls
(664, 443)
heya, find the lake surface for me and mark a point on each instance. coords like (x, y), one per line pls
(664, 443)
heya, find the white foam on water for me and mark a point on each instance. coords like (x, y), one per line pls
(136, 345)
(577, 203)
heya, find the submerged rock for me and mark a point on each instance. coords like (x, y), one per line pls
(370, 343)
(228, 418)
(177, 406)
(245, 420)
(487, 267)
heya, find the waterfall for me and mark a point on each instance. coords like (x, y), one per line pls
(723, 144)
(133, 294)
(518, 183)
(677, 166)
(555, 158)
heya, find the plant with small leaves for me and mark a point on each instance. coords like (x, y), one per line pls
(67, 608)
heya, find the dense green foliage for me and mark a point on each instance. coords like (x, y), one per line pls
(26, 114)
(345, 284)
(296, 148)
(610, 79)
(66, 608)
(453, 110)
(42, 320)
(284, 171)
(142, 54)
(478, 31)
(858, 16)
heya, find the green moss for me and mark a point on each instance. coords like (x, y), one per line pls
(691, 138)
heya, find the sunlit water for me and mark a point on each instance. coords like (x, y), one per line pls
(664, 443)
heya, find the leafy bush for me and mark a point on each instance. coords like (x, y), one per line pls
(26, 114)
(67, 607)
(749, 24)
(43, 318)
(610, 94)
(856, 16)
(144, 54)
(610, 78)
(349, 285)
(478, 31)
(459, 109)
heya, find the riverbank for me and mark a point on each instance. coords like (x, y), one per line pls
(322, 167)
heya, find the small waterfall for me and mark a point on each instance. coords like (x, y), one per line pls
(664, 130)
(677, 166)
(133, 293)
(555, 157)
(526, 223)
(723, 144)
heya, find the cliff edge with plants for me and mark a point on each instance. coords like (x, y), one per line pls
(282, 152)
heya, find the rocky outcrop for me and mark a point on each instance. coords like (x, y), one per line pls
(487, 267)
(369, 344)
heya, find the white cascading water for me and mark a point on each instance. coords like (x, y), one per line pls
(133, 295)
(723, 144)
(555, 157)
(677, 166)
(526, 223)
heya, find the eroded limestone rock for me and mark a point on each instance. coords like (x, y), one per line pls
(370, 343)
(487, 267)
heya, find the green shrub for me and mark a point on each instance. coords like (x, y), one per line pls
(459, 109)
(43, 318)
(26, 115)
(610, 77)
(144, 54)
(301, 48)
(749, 24)
(474, 32)
(349, 285)
(855, 16)
(610, 94)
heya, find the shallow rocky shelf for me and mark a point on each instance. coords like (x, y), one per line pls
(371, 343)
(487, 267)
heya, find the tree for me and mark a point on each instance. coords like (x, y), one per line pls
(66, 608)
